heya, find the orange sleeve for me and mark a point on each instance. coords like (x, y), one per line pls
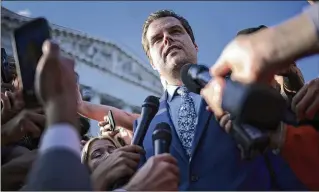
(301, 151)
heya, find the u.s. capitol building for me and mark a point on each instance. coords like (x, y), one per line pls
(109, 75)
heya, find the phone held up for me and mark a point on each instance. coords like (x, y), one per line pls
(27, 43)
(111, 120)
(4, 67)
(6, 72)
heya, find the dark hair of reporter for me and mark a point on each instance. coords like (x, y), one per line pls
(84, 125)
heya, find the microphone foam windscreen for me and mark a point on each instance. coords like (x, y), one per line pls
(162, 131)
(188, 81)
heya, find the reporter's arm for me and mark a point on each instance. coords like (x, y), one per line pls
(5, 135)
(9, 132)
(97, 112)
(313, 14)
(15, 172)
(293, 39)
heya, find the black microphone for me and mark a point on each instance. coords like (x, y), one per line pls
(250, 104)
(149, 110)
(162, 138)
(247, 102)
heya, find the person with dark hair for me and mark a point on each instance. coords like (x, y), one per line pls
(207, 156)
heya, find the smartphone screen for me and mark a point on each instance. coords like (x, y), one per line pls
(111, 120)
(27, 46)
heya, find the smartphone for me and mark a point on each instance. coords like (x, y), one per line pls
(27, 43)
(111, 120)
(4, 67)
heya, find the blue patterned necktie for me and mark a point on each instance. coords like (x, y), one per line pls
(186, 119)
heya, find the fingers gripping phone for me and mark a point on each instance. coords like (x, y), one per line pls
(27, 48)
(111, 120)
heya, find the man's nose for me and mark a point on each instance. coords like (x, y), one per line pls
(167, 39)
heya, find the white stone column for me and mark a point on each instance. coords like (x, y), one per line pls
(94, 128)
(114, 60)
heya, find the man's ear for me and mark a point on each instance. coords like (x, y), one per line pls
(196, 47)
(151, 62)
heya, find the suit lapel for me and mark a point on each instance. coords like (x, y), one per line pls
(163, 115)
(203, 117)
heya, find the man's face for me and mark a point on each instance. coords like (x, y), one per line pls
(170, 46)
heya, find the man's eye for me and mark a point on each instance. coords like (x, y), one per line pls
(156, 40)
(176, 31)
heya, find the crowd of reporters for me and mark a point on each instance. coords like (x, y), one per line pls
(35, 156)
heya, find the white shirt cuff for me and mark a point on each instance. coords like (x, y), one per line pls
(123, 190)
(62, 136)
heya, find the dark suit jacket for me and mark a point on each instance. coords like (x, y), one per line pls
(216, 163)
(58, 170)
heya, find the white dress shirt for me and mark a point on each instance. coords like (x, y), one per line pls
(61, 136)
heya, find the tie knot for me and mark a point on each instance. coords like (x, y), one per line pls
(182, 90)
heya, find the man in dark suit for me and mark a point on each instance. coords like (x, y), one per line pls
(208, 158)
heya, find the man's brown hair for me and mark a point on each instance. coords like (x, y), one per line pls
(160, 14)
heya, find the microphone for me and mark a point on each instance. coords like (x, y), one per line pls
(247, 102)
(250, 104)
(246, 105)
(149, 110)
(162, 138)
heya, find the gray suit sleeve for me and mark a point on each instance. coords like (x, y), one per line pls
(58, 170)
(313, 13)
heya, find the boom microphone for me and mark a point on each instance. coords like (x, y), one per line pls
(250, 104)
(149, 110)
(162, 138)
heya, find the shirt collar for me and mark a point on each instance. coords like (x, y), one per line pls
(171, 90)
